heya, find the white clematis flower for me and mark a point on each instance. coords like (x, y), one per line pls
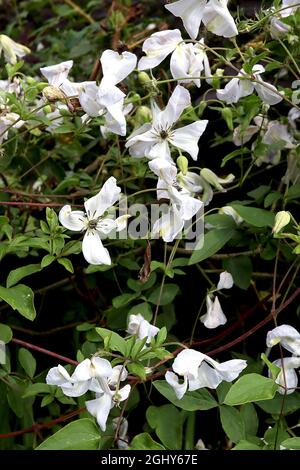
(94, 222)
(107, 99)
(287, 336)
(238, 88)
(287, 377)
(152, 140)
(70, 385)
(199, 371)
(182, 208)
(187, 60)
(139, 326)
(214, 316)
(11, 49)
(213, 13)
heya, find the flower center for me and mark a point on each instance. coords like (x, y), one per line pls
(164, 134)
(92, 224)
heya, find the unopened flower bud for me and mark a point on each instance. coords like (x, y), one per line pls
(282, 219)
(47, 109)
(143, 114)
(144, 78)
(183, 164)
(53, 93)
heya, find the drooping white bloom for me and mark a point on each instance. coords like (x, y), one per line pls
(238, 88)
(231, 212)
(152, 140)
(11, 49)
(69, 385)
(210, 177)
(8, 121)
(199, 370)
(287, 336)
(278, 28)
(94, 222)
(183, 206)
(287, 377)
(213, 13)
(187, 60)
(214, 315)
(139, 326)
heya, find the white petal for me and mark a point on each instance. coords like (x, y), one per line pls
(218, 20)
(121, 222)
(116, 67)
(267, 93)
(287, 378)
(186, 138)
(115, 119)
(231, 93)
(191, 12)
(105, 226)
(187, 206)
(106, 198)
(207, 377)
(72, 220)
(93, 249)
(178, 102)
(160, 150)
(214, 316)
(178, 388)
(186, 63)
(169, 225)
(158, 47)
(102, 367)
(164, 169)
(58, 376)
(76, 389)
(294, 4)
(229, 370)
(122, 394)
(88, 99)
(56, 74)
(225, 281)
(288, 336)
(119, 374)
(100, 408)
(83, 371)
(187, 362)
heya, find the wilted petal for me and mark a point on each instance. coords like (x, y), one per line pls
(72, 220)
(218, 20)
(225, 281)
(100, 408)
(186, 138)
(179, 388)
(106, 198)
(93, 249)
(287, 336)
(56, 74)
(191, 13)
(116, 67)
(158, 47)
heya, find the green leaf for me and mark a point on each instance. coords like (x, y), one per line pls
(145, 442)
(236, 153)
(249, 388)
(124, 299)
(27, 361)
(255, 216)
(20, 298)
(17, 274)
(159, 418)
(214, 240)
(241, 269)
(47, 260)
(137, 369)
(246, 445)
(281, 405)
(250, 418)
(168, 294)
(114, 341)
(5, 333)
(293, 443)
(192, 401)
(232, 423)
(82, 434)
(34, 389)
(67, 264)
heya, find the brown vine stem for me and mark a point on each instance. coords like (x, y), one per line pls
(37, 426)
(44, 351)
(35, 204)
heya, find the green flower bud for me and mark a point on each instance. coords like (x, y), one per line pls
(282, 219)
(183, 164)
